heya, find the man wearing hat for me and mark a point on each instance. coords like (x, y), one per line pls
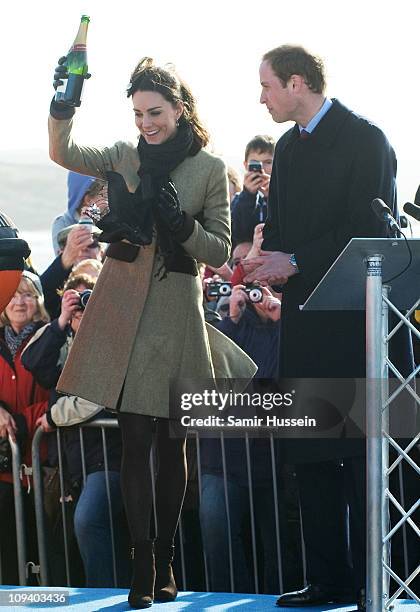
(76, 243)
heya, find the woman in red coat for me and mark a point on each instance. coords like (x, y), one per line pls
(22, 400)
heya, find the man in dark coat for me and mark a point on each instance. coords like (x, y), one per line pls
(326, 171)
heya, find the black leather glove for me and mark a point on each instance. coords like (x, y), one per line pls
(169, 209)
(178, 222)
(61, 110)
(61, 72)
(125, 219)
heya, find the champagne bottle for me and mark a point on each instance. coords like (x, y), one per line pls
(70, 92)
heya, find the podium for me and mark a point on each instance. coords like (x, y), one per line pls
(371, 274)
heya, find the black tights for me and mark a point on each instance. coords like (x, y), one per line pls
(137, 433)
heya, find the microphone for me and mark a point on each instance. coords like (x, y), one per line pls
(412, 210)
(383, 212)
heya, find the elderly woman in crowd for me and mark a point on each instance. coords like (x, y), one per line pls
(144, 325)
(22, 400)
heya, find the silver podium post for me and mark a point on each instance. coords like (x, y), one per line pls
(354, 282)
(386, 546)
(374, 591)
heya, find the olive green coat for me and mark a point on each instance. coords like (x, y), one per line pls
(140, 332)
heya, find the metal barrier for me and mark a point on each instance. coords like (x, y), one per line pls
(19, 512)
(39, 502)
(104, 424)
(193, 436)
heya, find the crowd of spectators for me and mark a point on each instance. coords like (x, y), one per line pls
(36, 333)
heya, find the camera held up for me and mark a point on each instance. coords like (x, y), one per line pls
(84, 298)
(218, 289)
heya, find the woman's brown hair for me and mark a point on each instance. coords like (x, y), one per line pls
(147, 76)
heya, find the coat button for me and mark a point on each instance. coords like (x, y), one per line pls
(13, 377)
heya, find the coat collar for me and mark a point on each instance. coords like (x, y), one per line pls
(325, 133)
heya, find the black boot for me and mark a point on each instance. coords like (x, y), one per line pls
(165, 587)
(143, 580)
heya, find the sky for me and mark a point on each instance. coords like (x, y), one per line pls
(371, 51)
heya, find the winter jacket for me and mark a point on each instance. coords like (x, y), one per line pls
(23, 395)
(139, 332)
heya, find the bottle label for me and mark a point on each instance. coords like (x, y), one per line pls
(78, 47)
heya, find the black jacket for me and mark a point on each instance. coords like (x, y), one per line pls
(320, 197)
(247, 211)
(52, 279)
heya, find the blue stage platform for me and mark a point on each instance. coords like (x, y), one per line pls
(115, 600)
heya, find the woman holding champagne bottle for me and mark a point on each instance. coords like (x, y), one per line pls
(165, 209)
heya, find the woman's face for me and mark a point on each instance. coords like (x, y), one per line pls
(155, 117)
(22, 307)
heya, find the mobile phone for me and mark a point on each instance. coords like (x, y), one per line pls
(255, 166)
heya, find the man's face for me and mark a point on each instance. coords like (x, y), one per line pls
(280, 101)
(265, 158)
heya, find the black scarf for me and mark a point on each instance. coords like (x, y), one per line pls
(157, 161)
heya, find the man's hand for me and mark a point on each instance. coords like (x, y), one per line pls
(78, 239)
(237, 303)
(257, 240)
(70, 302)
(224, 272)
(270, 306)
(42, 422)
(257, 181)
(7, 425)
(271, 268)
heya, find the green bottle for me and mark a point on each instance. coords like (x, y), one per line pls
(70, 92)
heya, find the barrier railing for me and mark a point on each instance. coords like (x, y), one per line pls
(194, 438)
(19, 512)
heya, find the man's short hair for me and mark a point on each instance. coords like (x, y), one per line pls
(292, 59)
(262, 144)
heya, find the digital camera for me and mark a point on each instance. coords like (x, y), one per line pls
(84, 298)
(254, 292)
(217, 289)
